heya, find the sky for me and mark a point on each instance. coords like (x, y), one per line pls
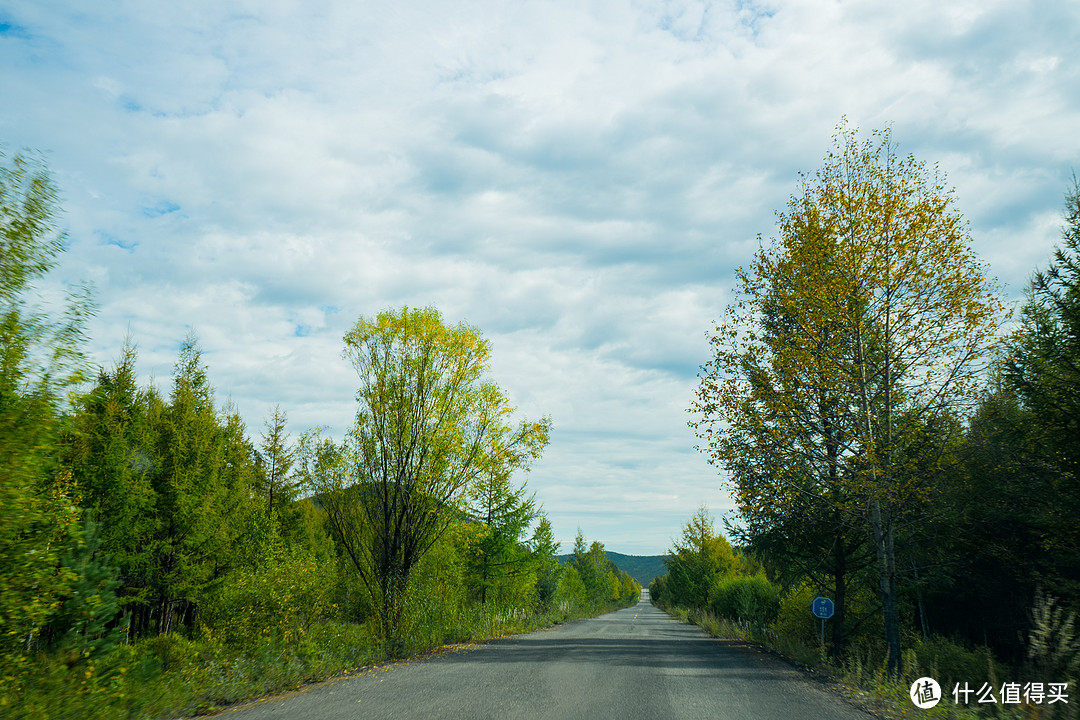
(577, 180)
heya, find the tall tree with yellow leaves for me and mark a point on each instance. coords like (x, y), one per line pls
(865, 324)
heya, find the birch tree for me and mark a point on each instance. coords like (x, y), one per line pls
(782, 426)
(888, 318)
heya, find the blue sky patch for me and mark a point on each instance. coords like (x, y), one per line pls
(105, 238)
(162, 207)
(9, 29)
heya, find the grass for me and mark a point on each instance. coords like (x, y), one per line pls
(175, 676)
(865, 679)
(171, 675)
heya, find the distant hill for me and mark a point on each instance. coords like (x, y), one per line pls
(642, 568)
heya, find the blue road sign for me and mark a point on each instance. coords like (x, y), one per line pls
(822, 607)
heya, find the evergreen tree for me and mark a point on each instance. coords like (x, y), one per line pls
(190, 492)
(113, 457)
(696, 562)
(497, 557)
(275, 464)
(545, 550)
(1043, 368)
(246, 534)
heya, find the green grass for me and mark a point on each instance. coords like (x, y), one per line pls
(171, 675)
(865, 678)
(174, 676)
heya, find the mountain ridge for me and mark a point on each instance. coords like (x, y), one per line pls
(642, 568)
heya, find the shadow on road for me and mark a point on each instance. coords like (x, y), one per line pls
(655, 641)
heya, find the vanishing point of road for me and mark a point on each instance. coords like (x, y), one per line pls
(633, 663)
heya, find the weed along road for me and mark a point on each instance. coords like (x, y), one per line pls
(634, 663)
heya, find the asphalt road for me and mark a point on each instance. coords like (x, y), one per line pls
(634, 663)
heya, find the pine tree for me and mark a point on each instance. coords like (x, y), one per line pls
(497, 557)
(113, 457)
(276, 461)
(545, 551)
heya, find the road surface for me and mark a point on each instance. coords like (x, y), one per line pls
(634, 663)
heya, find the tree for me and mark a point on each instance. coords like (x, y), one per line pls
(81, 628)
(546, 551)
(587, 567)
(203, 478)
(505, 512)
(428, 426)
(571, 589)
(112, 457)
(41, 362)
(695, 563)
(1042, 368)
(601, 580)
(276, 462)
(246, 535)
(1043, 360)
(887, 308)
(172, 484)
(990, 546)
(786, 431)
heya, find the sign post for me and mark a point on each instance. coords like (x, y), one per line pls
(822, 607)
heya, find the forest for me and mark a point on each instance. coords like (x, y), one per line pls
(159, 558)
(895, 441)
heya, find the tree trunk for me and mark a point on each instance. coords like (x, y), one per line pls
(881, 525)
(923, 623)
(885, 547)
(840, 610)
(832, 455)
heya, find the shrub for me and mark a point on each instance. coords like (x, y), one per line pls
(658, 591)
(794, 623)
(746, 598)
(284, 598)
(571, 588)
(1053, 647)
(949, 662)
